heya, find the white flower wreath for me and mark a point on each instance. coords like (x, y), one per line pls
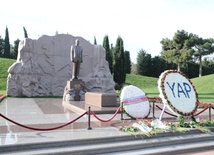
(177, 92)
(135, 103)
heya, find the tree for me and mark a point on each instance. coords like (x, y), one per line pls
(95, 41)
(208, 67)
(175, 50)
(158, 65)
(16, 46)
(25, 33)
(143, 63)
(133, 68)
(119, 63)
(201, 47)
(127, 62)
(1, 46)
(108, 53)
(7, 44)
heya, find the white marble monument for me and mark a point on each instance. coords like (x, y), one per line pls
(43, 67)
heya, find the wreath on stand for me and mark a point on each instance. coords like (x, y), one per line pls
(178, 95)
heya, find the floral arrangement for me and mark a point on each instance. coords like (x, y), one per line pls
(205, 105)
(200, 104)
(151, 127)
(134, 102)
(177, 92)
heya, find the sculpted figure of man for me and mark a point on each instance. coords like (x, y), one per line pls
(76, 59)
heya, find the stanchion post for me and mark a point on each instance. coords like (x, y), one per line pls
(121, 110)
(89, 118)
(153, 110)
(209, 113)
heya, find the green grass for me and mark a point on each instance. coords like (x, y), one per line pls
(204, 85)
(147, 84)
(4, 65)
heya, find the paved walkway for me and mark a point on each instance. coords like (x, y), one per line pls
(49, 113)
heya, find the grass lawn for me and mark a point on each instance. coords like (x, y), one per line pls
(4, 65)
(205, 87)
(147, 84)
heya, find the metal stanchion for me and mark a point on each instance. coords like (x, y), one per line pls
(209, 113)
(153, 109)
(121, 110)
(89, 118)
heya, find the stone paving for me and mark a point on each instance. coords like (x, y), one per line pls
(47, 113)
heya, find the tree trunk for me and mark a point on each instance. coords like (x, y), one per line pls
(179, 66)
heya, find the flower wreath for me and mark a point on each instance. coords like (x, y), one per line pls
(185, 100)
(135, 102)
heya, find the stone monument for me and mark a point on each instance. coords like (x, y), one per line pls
(43, 68)
(75, 85)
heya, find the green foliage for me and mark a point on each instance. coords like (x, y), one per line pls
(119, 62)
(147, 84)
(194, 124)
(16, 46)
(95, 41)
(1, 46)
(148, 66)
(4, 65)
(201, 47)
(181, 121)
(143, 63)
(25, 33)
(108, 53)
(158, 65)
(208, 67)
(127, 62)
(175, 50)
(203, 84)
(204, 88)
(190, 69)
(7, 44)
(207, 123)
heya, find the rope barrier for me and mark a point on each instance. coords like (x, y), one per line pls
(166, 111)
(88, 112)
(201, 111)
(176, 116)
(40, 129)
(108, 119)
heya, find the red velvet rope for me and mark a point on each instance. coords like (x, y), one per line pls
(40, 129)
(201, 111)
(176, 116)
(166, 111)
(108, 119)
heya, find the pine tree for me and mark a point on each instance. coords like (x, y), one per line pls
(16, 46)
(25, 33)
(95, 41)
(119, 63)
(127, 62)
(143, 63)
(7, 44)
(1, 46)
(175, 50)
(108, 53)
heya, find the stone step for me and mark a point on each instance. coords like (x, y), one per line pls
(176, 142)
(186, 148)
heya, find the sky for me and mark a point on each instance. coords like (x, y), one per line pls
(142, 24)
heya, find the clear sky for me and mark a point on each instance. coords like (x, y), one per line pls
(142, 24)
